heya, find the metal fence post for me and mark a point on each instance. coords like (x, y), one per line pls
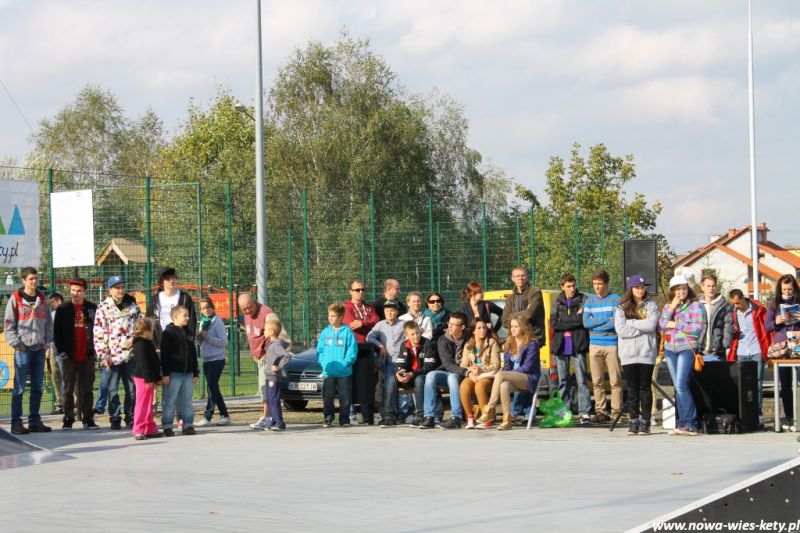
(372, 243)
(219, 261)
(290, 282)
(430, 240)
(484, 244)
(532, 239)
(199, 240)
(438, 257)
(517, 239)
(233, 327)
(363, 254)
(148, 241)
(577, 248)
(306, 278)
(51, 270)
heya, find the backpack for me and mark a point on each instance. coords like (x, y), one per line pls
(722, 423)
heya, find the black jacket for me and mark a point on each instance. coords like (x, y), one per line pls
(64, 328)
(450, 359)
(563, 318)
(427, 357)
(148, 366)
(177, 353)
(485, 310)
(153, 311)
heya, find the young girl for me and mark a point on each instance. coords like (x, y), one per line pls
(520, 373)
(636, 320)
(482, 358)
(275, 359)
(146, 376)
(213, 340)
(682, 322)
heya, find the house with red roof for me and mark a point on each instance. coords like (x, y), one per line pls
(730, 256)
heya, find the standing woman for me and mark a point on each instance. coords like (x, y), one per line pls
(787, 292)
(520, 372)
(682, 323)
(636, 320)
(437, 314)
(481, 358)
(475, 308)
(213, 340)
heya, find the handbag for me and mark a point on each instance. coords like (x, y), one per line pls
(698, 362)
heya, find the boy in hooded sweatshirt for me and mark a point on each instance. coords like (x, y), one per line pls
(336, 352)
(180, 372)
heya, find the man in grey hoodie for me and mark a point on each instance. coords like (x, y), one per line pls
(29, 330)
(719, 329)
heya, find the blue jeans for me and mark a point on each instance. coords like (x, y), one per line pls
(562, 366)
(213, 371)
(390, 392)
(116, 373)
(31, 361)
(102, 392)
(521, 403)
(681, 366)
(178, 395)
(756, 357)
(441, 378)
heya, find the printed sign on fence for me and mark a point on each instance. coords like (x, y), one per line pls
(6, 364)
(19, 224)
(72, 220)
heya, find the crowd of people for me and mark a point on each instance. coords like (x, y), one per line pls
(411, 353)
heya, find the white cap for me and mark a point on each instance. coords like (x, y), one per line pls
(678, 280)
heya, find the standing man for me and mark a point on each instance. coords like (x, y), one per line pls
(525, 299)
(29, 330)
(74, 340)
(113, 339)
(255, 317)
(391, 291)
(52, 361)
(570, 343)
(719, 328)
(598, 318)
(361, 318)
(167, 296)
(750, 339)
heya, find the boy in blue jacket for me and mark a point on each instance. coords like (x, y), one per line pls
(336, 353)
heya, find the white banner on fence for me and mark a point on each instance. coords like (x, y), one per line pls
(72, 220)
(19, 224)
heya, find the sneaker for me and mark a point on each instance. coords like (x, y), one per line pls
(19, 429)
(202, 422)
(139, 437)
(261, 423)
(168, 432)
(67, 424)
(388, 423)
(454, 423)
(116, 425)
(188, 430)
(327, 423)
(633, 428)
(586, 420)
(38, 427)
(471, 423)
(686, 431)
(601, 418)
(644, 427)
(276, 427)
(485, 425)
(346, 425)
(224, 421)
(415, 422)
(89, 424)
(156, 435)
(427, 423)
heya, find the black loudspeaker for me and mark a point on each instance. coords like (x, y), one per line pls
(641, 257)
(732, 387)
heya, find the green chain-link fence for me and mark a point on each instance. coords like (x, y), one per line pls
(316, 243)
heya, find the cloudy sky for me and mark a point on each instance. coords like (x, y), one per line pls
(663, 80)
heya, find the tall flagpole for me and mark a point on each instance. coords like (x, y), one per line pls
(261, 236)
(753, 227)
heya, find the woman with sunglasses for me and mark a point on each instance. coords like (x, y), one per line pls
(437, 314)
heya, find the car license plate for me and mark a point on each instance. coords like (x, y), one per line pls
(293, 385)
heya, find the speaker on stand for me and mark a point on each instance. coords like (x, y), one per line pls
(641, 257)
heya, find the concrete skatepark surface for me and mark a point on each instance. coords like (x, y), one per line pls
(371, 479)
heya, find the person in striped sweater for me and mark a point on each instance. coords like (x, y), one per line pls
(598, 318)
(682, 323)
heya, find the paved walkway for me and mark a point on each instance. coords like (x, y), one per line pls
(371, 479)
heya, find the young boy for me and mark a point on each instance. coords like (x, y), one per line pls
(336, 352)
(387, 336)
(180, 372)
(274, 360)
(415, 355)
